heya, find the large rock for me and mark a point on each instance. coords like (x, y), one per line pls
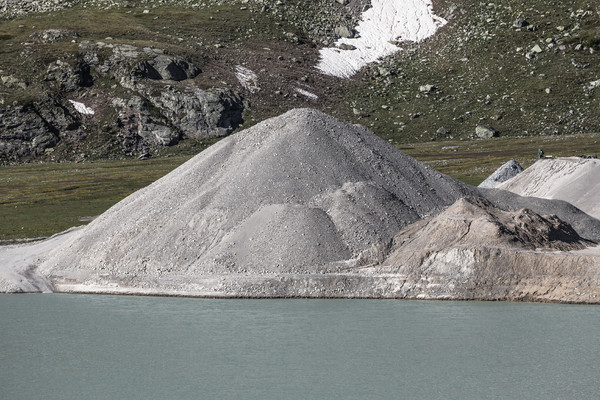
(486, 132)
(138, 130)
(27, 131)
(186, 110)
(165, 67)
(200, 113)
(67, 78)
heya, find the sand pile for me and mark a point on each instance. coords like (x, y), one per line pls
(474, 250)
(572, 179)
(506, 171)
(298, 193)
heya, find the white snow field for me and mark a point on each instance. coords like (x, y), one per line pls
(82, 108)
(247, 78)
(385, 21)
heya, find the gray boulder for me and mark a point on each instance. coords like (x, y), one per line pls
(165, 67)
(138, 131)
(486, 132)
(344, 31)
(520, 23)
(27, 131)
(199, 113)
(69, 78)
(427, 89)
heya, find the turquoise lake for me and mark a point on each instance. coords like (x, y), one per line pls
(116, 347)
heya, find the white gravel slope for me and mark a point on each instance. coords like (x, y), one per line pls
(18, 271)
(299, 193)
(385, 21)
(572, 179)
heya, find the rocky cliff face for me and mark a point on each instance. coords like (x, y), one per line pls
(153, 102)
(30, 131)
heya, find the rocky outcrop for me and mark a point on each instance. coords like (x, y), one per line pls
(28, 131)
(198, 113)
(158, 103)
(68, 78)
(137, 130)
(163, 67)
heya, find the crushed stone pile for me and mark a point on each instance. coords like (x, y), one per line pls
(507, 171)
(572, 179)
(299, 193)
(474, 250)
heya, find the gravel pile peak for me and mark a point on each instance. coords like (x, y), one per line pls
(507, 171)
(297, 193)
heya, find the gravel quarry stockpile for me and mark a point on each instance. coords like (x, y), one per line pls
(301, 193)
(304, 205)
(572, 179)
(476, 251)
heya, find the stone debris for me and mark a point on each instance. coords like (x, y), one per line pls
(306, 93)
(475, 251)
(247, 78)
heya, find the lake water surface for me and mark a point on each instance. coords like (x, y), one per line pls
(108, 347)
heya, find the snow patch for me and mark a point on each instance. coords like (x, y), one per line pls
(386, 21)
(247, 78)
(306, 93)
(82, 108)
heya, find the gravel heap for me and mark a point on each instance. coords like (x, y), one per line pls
(474, 250)
(508, 170)
(572, 179)
(299, 193)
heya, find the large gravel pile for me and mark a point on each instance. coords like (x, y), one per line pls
(572, 179)
(298, 193)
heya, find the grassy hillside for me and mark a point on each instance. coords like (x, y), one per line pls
(482, 68)
(486, 71)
